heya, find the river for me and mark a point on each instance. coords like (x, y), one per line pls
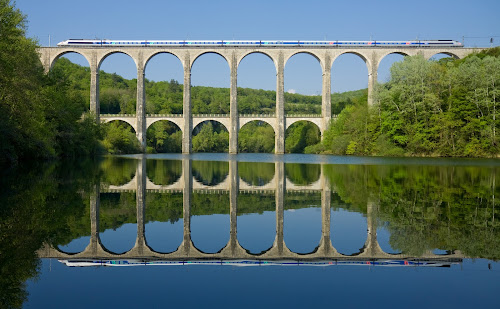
(251, 230)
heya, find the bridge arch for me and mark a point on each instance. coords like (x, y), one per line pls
(430, 55)
(107, 53)
(217, 136)
(58, 55)
(164, 136)
(265, 53)
(156, 53)
(205, 52)
(250, 137)
(311, 53)
(131, 122)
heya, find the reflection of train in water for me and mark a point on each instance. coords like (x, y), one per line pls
(372, 262)
(236, 43)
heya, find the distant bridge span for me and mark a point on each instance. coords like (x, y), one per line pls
(372, 56)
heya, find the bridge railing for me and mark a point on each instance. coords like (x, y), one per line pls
(216, 115)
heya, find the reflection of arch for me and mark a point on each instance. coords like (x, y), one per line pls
(109, 53)
(170, 172)
(59, 55)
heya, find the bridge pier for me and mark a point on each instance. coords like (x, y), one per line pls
(94, 90)
(186, 108)
(279, 146)
(233, 106)
(141, 106)
(326, 100)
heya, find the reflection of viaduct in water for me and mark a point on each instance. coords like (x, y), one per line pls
(232, 250)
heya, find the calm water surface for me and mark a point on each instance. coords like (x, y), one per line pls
(252, 230)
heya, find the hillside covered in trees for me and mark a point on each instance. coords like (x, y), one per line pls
(118, 95)
(428, 108)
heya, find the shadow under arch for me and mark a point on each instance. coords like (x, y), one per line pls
(256, 136)
(164, 136)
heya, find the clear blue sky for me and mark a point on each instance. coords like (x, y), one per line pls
(477, 21)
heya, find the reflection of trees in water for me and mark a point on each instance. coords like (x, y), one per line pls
(117, 209)
(164, 172)
(256, 173)
(164, 207)
(427, 207)
(210, 173)
(117, 171)
(302, 174)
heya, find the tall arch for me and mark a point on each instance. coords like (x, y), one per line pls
(263, 80)
(299, 72)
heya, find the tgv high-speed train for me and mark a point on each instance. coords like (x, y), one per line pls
(235, 43)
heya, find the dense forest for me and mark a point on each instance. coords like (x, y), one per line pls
(40, 114)
(428, 108)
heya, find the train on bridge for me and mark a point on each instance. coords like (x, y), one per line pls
(244, 43)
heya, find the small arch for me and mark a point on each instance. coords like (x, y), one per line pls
(210, 136)
(164, 136)
(301, 134)
(256, 137)
(120, 138)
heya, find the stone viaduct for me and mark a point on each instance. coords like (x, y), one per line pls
(372, 56)
(232, 250)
